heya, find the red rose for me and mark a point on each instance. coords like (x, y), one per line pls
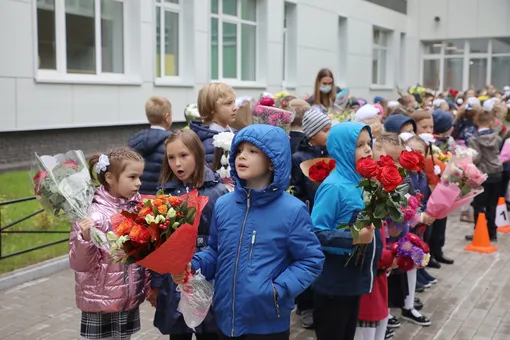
(386, 161)
(394, 248)
(405, 263)
(320, 170)
(386, 259)
(266, 101)
(425, 247)
(139, 234)
(39, 177)
(453, 92)
(367, 167)
(390, 178)
(412, 160)
(415, 240)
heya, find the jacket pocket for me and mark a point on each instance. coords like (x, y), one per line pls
(275, 298)
(252, 245)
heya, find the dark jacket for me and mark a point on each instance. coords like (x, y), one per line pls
(395, 122)
(150, 143)
(339, 200)
(304, 189)
(167, 319)
(295, 138)
(488, 144)
(464, 129)
(206, 136)
(261, 242)
(419, 184)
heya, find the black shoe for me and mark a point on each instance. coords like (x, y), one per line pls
(388, 334)
(394, 323)
(469, 237)
(443, 259)
(390, 330)
(420, 288)
(494, 239)
(418, 305)
(419, 320)
(433, 264)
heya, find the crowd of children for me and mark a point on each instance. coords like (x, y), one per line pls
(266, 250)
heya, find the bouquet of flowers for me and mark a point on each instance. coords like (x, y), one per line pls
(282, 100)
(222, 143)
(191, 113)
(265, 112)
(460, 183)
(411, 252)
(63, 185)
(317, 169)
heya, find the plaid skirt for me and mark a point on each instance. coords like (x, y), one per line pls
(368, 324)
(105, 325)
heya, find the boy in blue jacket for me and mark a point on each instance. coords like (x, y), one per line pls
(339, 287)
(262, 250)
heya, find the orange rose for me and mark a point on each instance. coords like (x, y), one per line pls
(157, 202)
(162, 209)
(124, 228)
(174, 200)
(139, 234)
(146, 211)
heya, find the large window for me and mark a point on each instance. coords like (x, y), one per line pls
(81, 36)
(461, 64)
(379, 57)
(168, 13)
(233, 39)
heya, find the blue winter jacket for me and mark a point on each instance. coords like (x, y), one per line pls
(464, 129)
(206, 136)
(337, 201)
(167, 319)
(150, 143)
(261, 241)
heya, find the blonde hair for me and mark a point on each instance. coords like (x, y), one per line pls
(195, 147)
(117, 158)
(156, 108)
(375, 126)
(299, 106)
(390, 138)
(420, 115)
(500, 111)
(210, 96)
(463, 112)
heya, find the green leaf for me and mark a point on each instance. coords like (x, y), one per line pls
(190, 214)
(364, 183)
(380, 210)
(355, 234)
(377, 223)
(396, 215)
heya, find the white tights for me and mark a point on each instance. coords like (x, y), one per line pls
(411, 284)
(366, 333)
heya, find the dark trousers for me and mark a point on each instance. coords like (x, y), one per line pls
(504, 183)
(335, 317)
(304, 301)
(487, 202)
(275, 336)
(189, 336)
(398, 289)
(437, 237)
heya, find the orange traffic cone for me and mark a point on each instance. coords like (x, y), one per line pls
(502, 216)
(481, 242)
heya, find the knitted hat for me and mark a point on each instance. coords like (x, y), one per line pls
(314, 121)
(365, 112)
(443, 121)
(377, 99)
(395, 122)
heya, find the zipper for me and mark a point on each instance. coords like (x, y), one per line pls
(237, 261)
(372, 265)
(252, 243)
(275, 301)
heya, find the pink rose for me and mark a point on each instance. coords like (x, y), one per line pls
(413, 202)
(474, 175)
(70, 164)
(408, 213)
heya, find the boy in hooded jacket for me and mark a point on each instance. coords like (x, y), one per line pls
(262, 250)
(338, 200)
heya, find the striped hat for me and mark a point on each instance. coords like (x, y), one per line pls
(314, 121)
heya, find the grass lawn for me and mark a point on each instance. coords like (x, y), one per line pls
(14, 185)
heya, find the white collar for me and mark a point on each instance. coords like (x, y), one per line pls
(155, 127)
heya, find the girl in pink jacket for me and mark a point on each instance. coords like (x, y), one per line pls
(108, 293)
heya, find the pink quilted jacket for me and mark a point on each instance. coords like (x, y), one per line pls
(102, 286)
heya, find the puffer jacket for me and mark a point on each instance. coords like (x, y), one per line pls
(488, 144)
(102, 286)
(261, 241)
(206, 136)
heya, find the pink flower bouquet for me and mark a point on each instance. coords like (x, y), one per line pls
(265, 112)
(460, 183)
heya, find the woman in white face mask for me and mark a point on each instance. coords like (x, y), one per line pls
(325, 90)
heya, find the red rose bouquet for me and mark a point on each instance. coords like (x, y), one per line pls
(317, 169)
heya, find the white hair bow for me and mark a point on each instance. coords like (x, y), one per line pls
(102, 163)
(427, 138)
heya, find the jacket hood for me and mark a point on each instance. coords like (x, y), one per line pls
(395, 122)
(103, 197)
(489, 139)
(211, 179)
(304, 145)
(147, 141)
(273, 142)
(341, 146)
(203, 132)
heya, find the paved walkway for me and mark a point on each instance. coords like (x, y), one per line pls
(471, 301)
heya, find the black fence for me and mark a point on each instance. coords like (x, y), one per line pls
(5, 229)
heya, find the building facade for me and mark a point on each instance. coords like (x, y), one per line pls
(74, 65)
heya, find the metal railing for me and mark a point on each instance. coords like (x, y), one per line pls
(3, 229)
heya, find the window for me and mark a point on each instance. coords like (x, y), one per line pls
(289, 45)
(379, 57)
(168, 13)
(431, 73)
(233, 39)
(84, 37)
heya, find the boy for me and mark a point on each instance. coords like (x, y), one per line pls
(296, 135)
(316, 126)
(339, 287)
(488, 145)
(150, 143)
(398, 123)
(217, 108)
(262, 250)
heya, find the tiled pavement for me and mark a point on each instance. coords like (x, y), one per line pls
(471, 301)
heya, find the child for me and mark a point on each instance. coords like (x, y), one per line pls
(150, 142)
(398, 123)
(262, 250)
(339, 287)
(465, 122)
(424, 122)
(107, 293)
(369, 114)
(184, 171)
(316, 126)
(296, 135)
(217, 107)
(488, 145)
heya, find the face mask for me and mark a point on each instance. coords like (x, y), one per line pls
(325, 89)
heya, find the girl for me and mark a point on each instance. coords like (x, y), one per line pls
(465, 122)
(325, 90)
(339, 287)
(262, 250)
(183, 171)
(108, 294)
